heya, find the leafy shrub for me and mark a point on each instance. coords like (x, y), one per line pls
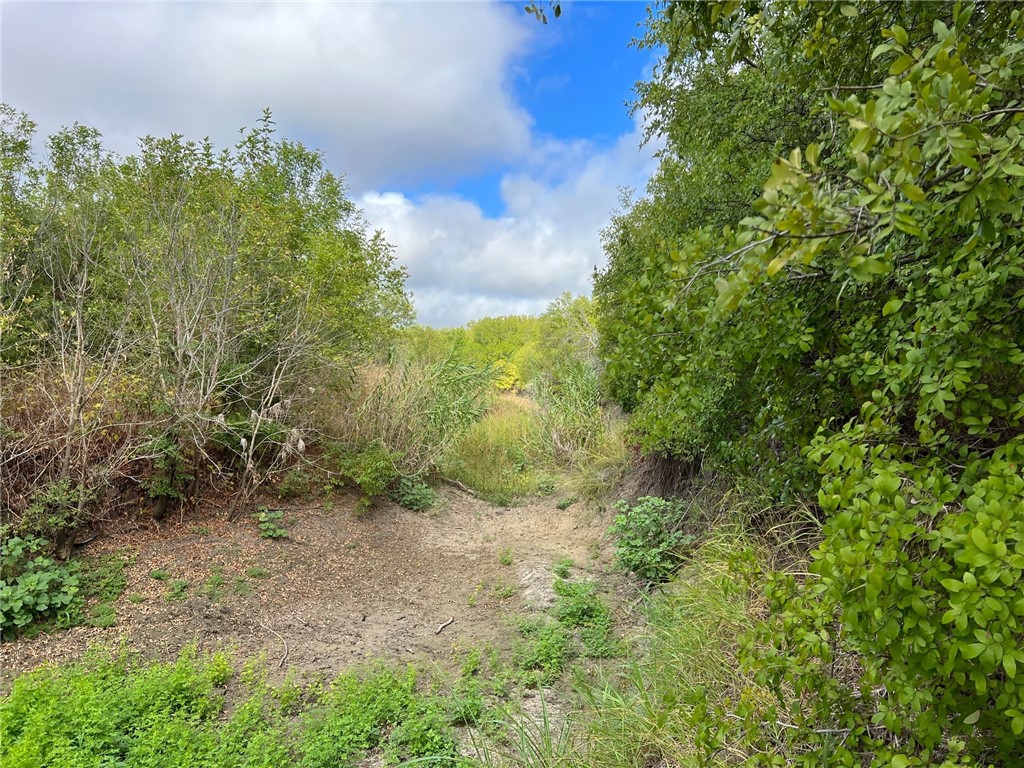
(33, 585)
(269, 522)
(413, 494)
(172, 472)
(54, 508)
(648, 541)
(295, 483)
(372, 468)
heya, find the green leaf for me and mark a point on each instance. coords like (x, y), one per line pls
(891, 306)
(899, 34)
(972, 718)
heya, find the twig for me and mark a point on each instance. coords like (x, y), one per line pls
(279, 637)
(460, 486)
(450, 621)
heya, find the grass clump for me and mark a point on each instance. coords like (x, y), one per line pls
(648, 708)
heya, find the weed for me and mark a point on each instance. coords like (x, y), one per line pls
(241, 587)
(503, 591)
(413, 494)
(505, 556)
(256, 572)
(199, 530)
(649, 541)
(475, 596)
(547, 485)
(213, 587)
(543, 652)
(269, 523)
(160, 574)
(178, 590)
(33, 585)
(562, 567)
(101, 582)
(136, 597)
(567, 502)
(579, 607)
(102, 615)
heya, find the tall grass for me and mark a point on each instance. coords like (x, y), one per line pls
(416, 411)
(647, 710)
(570, 400)
(504, 456)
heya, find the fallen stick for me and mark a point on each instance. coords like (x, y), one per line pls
(279, 637)
(460, 486)
(451, 620)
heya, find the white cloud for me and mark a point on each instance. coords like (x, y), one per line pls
(396, 94)
(427, 83)
(464, 265)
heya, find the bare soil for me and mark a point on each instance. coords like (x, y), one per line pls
(340, 589)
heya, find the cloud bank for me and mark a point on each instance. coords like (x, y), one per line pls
(397, 95)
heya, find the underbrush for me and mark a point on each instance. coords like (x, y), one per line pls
(38, 592)
(402, 420)
(503, 456)
(653, 708)
(107, 710)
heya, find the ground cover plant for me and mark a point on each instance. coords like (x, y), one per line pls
(111, 708)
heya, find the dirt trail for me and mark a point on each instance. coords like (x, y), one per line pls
(340, 589)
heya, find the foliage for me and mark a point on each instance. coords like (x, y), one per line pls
(650, 707)
(853, 336)
(33, 585)
(649, 540)
(404, 419)
(570, 400)
(166, 311)
(269, 522)
(414, 494)
(578, 606)
(503, 456)
(544, 651)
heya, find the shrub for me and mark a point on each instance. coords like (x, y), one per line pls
(33, 585)
(414, 494)
(649, 542)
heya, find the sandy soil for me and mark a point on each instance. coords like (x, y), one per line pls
(341, 588)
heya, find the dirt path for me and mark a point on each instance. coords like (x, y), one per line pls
(340, 589)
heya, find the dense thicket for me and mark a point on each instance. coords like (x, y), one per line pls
(164, 313)
(824, 289)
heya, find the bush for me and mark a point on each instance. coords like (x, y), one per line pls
(33, 585)
(649, 541)
(414, 494)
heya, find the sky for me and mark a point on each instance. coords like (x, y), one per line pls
(490, 149)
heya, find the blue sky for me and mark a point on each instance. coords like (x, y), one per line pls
(488, 147)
